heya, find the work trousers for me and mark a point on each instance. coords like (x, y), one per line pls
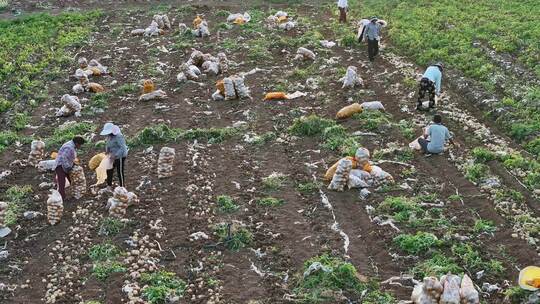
(119, 165)
(61, 177)
(373, 48)
(342, 14)
(426, 86)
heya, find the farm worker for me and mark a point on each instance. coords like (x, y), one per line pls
(372, 34)
(343, 6)
(431, 84)
(117, 150)
(437, 134)
(65, 160)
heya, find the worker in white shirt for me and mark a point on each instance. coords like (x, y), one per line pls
(343, 6)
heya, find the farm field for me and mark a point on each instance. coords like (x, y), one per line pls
(246, 216)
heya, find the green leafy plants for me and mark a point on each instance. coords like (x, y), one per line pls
(477, 172)
(102, 270)
(104, 256)
(66, 133)
(15, 195)
(372, 120)
(324, 278)
(19, 121)
(418, 243)
(226, 204)
(516, 294)
(156, 134)
(233, 237)
(128, 88)
(274, 181)
(310, 125)
(37, 43)
(308, 187)
(407, 129)
(481, 226)
(473, 261)
(483, 155)
(162, 286)
(270, 202)
(110, 226)
(103, 252)
(439, 264)
(401, 208)
(8, 138)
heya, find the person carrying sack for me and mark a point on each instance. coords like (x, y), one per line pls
(65, 160)
(430, 84)
(372, 34)
(343, 6)
(117, 150)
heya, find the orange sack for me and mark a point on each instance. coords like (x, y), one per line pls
(95, 87)
(282, 19)
(332, 170)
(275, 95)
(239, 20)
(95, 71)
(367, 167)
(220, 85)
(349, 111)
(148, 86)
(197, 21)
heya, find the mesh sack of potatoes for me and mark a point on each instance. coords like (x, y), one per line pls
(351, 78)
(55, 207)
(3, 209)
(37, 151)
(304, 54)
(166, 162)
(341, 177)
(241, 90)
(78, 181)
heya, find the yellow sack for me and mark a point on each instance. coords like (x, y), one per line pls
(95, 71)
(95, 87)
(275, 95)
(349, 111)
(239, 20)
(282, 19)
(529, 278)
(197, 21)
(367, 167)
(95, 161)
(220, 85)
(101, 171)
(332, 170)
(148, 86)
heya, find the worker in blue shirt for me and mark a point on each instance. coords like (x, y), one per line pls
(430, 84)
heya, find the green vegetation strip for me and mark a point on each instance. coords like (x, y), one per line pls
(33, 52)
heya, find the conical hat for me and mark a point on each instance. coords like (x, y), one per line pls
(528, 274)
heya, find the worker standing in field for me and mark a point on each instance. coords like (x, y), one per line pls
(117, 150)
(65, 161)
(343, 7)
(430, 84)
(372, 34)
(437, 135)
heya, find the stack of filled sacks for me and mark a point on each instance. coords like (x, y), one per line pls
(231, 88)
(55, 207)
(191, 70)
(239, 18)
(362, 173)
(450, 290)
(78, 181)
(166, 162)
(341, 176)
(71, 106)
(150, 93)
(85, 85)
(120, 201)
(156, 28)
(37, 151)
(281, 20)
(200, 27)
(92, 68)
